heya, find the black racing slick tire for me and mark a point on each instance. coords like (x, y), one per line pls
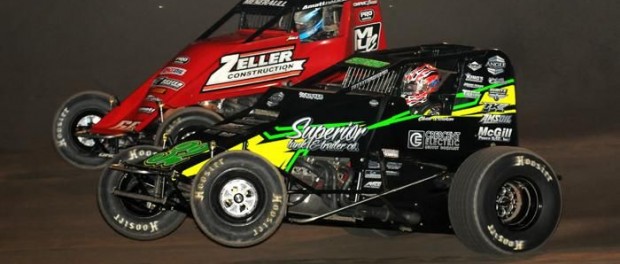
(132, 217)
(185, 123)
(238, 199)
(80, 112)
(504, 201)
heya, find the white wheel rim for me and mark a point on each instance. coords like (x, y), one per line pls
(88, 121)
(238, 198)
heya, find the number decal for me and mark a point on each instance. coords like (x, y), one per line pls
(178, 154)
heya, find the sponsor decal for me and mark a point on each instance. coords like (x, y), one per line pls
(146, 110)
(392, 173)
(394, 165)
(322, 138)
(367, 37)
(321, 4)
(367, 15)
(474, 66)
(265, 3)
(496, 65)
(500, 134)
(181, 60)
(523, 161)
(126, 125)
(496, 80)
(150, 227)
(372, 174)
(158, 90)
(416, 139)
(373, 185)
(498, 94)
(168, 83)
(365, 3)
(178, 154)
(152, 98)
(473, 85)
(516, 245)
(275, 99)
(496, 119)
(495, 107)
(434, 140)
(391, 153)
(471, 94)
(173, 71)
(263, 112)
(255, 67)
(473, 78)
(436, 119)
(311, 96)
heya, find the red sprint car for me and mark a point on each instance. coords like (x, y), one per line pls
(256, 45)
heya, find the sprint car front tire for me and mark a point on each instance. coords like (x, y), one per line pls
(134, 218)
(504, 200)
(238, 199)
(81, 111)
(185, 123)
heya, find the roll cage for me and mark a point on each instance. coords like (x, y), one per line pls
(380, 72)
(266, 15)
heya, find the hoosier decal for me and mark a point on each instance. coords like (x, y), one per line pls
(255, 67)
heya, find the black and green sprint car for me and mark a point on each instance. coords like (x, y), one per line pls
(347, 147)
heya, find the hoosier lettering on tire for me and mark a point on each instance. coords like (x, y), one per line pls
(132, 217)
(238, 199)
(504, 200)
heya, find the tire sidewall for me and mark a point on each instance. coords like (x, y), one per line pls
(210, 216)
(538, 173)
(67, 116)
(122, 219)
(185, 119)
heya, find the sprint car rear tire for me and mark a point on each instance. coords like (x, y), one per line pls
(504, 200)
(238, 199)
(81, 111)
(185, 123)
(133, 218)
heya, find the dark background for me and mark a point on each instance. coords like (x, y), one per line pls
(565, 54)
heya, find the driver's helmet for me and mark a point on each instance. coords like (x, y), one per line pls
(309, 22)
(419, 83)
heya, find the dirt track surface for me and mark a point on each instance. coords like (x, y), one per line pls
(49, 215)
